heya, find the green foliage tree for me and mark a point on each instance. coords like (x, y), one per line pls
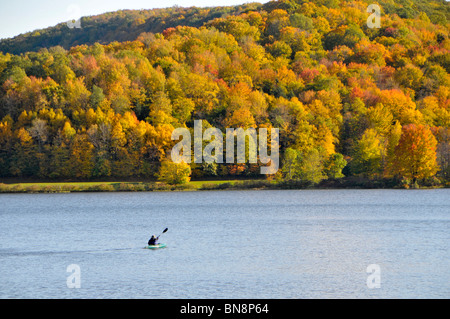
(290, 164)
(334, 165)
(367, 155)
(311, 167)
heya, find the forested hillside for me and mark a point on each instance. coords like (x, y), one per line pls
(349, 100)
(126, 25)
(122, 25)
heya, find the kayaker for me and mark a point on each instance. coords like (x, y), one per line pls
(152, 241)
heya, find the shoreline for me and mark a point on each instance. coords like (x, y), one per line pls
(201, 185)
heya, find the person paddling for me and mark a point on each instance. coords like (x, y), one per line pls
(152, 241)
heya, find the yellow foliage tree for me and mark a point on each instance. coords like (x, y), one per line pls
(174, 173)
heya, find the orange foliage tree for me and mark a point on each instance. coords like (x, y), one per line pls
(415, 154)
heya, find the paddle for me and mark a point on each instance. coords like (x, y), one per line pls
(163, 232)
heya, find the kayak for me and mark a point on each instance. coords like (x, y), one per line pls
(155, 246)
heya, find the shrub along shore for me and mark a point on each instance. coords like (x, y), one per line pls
(146, 186)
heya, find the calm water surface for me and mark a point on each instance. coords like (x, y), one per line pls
(227, 244)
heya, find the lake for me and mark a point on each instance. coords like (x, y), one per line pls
(227, 244)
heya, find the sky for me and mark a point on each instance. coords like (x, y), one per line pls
(21, 16)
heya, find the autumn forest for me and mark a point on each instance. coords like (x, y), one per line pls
(350, 101)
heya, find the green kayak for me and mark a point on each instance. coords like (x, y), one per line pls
(155, 246)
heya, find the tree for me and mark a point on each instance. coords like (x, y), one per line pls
(160, 110)
(401, 106)
(80, 159)
(174, 173)
(409, 76)
(343, 35)
(434, 77)
(393, 137)
(311, 167)
(58, 166)
(6, 142)
(369, 53)
(236, 26)
(415, 154)
(307, 167)
(279, 49)
(97, 96)
(290, 164)
(242, 117)
(334, 165)
(367, 155)
(182, 109)
(39, 131)
(23, 155)
(300, 21)
(276, 20)
(443, 151)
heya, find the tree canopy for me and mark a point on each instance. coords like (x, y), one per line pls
(102, 101)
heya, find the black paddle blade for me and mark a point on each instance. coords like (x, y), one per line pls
(165, 230)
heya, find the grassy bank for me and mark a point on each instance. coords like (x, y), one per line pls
(70, 187)
(137, 186)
